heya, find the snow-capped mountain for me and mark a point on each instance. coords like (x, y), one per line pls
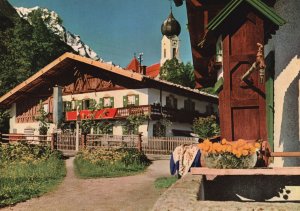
(54, 23)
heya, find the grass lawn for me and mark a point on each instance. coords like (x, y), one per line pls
(164, 182)
(28, 171)
(22, 181)
(110, 163)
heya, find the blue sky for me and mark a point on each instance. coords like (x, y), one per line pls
(115, 29)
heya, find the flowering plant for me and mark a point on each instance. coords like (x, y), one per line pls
(229, 154)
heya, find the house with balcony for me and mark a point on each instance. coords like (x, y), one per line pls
(69, 88)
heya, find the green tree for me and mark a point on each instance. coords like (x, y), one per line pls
(43, 120)
(178, 73)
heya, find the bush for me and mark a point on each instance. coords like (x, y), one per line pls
(28, 171)
(108, 162)
(206, 127)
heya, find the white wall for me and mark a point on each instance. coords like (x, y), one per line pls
(146, 97)
(169, 44)
(286, 45)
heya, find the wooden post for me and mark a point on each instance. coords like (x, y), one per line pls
(83, 140)
(53, 141)
(139, 144)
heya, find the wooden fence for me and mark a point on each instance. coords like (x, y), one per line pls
(105, 140)
(32, 139)
(164, 145)
(67, 141)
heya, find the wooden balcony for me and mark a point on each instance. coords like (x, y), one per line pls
(154, 111)
(133, 110)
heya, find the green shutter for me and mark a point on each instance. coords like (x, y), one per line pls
(112, 102)
(101, 103)
(125, 101)
(78, 103)
(137, 103)
(92, 103)
(68, 106)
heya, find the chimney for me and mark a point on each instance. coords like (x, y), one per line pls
(143, 69)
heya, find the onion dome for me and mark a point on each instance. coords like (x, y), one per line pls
(171, 26)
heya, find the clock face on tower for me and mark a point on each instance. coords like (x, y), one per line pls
(174, 42)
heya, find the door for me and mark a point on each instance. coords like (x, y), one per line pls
(243, 106)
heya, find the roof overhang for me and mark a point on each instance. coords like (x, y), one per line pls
(62, 63)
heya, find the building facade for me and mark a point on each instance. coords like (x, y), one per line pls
(118, 94)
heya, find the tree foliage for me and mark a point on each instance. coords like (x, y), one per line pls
(206, 127)
(178, 73)
(25, 48)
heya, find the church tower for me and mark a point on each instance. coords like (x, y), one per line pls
(170, 42)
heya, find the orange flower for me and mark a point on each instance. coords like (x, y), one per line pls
(257, 145)
(245, 153)
(223, 141)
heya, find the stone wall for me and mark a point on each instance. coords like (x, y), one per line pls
(286, 46)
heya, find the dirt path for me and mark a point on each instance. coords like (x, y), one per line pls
(124, 193)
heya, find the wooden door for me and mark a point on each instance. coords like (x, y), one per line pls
(242, 105)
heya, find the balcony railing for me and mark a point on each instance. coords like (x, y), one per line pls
(154, 111)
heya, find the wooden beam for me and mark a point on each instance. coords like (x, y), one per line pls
(211, 173)
(285, 154)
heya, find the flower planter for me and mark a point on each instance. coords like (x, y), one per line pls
(228, 155)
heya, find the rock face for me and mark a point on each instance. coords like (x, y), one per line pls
(54, 23)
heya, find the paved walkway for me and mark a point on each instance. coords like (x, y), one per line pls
(123, 193)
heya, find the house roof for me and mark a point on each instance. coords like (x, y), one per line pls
(153, 70)
(234, 4)
(134, 65)
(67, 60)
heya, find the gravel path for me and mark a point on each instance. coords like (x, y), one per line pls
(123, 193)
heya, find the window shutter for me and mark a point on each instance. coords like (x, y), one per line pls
(193, 106)
(68, 106)
(92, 103)
(101, 103)
(175, 103)
(112, 102)
(137, 100)
(125, 101)
(78, 104)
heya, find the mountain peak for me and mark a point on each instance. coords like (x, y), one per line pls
(54, 23)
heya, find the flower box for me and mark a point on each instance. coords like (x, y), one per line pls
(229, 155)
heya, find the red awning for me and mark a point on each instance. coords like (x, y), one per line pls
(107, 113)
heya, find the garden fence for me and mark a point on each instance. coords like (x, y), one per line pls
(66, 142)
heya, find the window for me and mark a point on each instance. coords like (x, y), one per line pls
(174, 52)
(67, 106)
(171, 102)
(209, 109)
(165, 53)
(189, 105)
(88, 104)
(130, 100)
(106, 102)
